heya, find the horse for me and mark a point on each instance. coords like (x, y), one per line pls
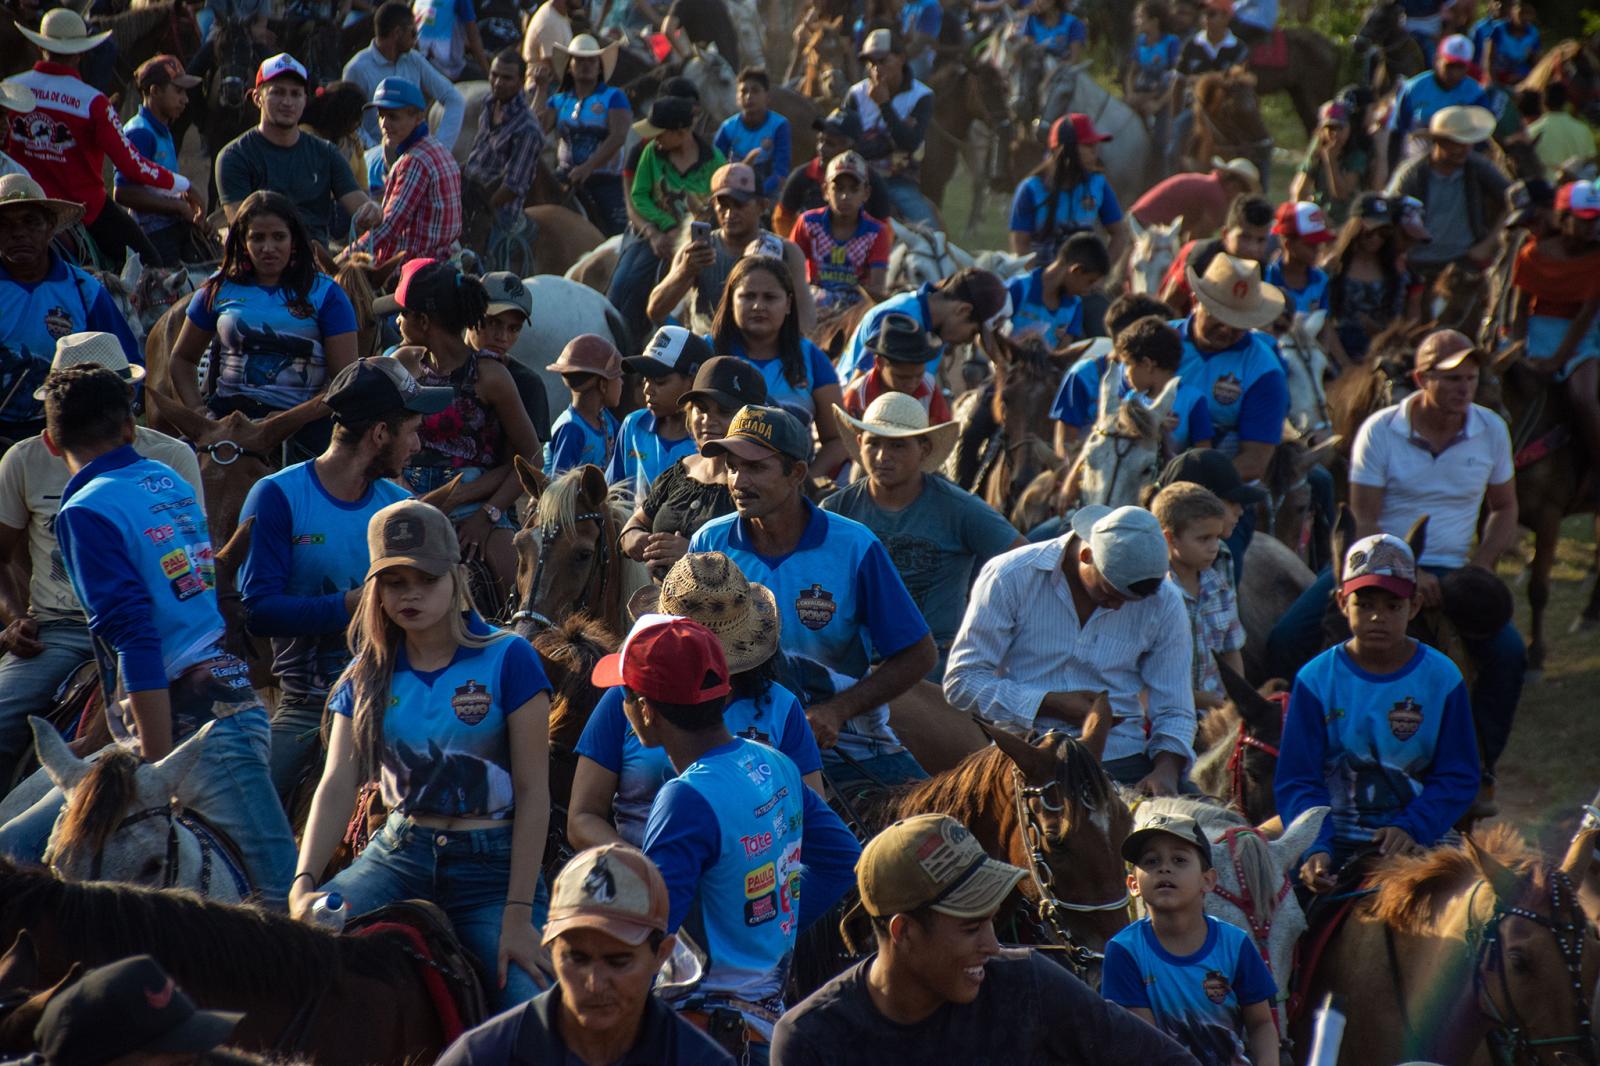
(1385, 49)
(1575, 64)
(130, 821)
(1309, 72)
(1122, 452)
(299, 987)
(1380, 380)
(802, 113)
(1236, 748)
(1128, 159)
(822, 45)
(1155, 249)
(595, 267)
(1286, 513)
(1456, 298)
(1306, 366)
(1273, 577)
(922, 256)
(569, 650)
(966, 94)
(1471, 953)
(223, 109)
(1227, 121)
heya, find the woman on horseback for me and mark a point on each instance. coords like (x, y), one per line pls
(452, 717)
(1367, 279)
(1150, 80)
(1067, 194)
(1337, 165)
(590, 120)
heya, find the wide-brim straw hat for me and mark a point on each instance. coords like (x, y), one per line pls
(709, 588)
(585, 46)
(92, 348)
(895, 414)
(64, 32)
(1231, 289)
(17, 190)
(1241, 168)
(1462, 123)
(18, 98)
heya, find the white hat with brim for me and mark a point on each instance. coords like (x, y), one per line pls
(64, 32)
(584, 46)
(91, 348)
(1240, 168)
(894, 414)
(18, 98)
(1231, 290)
(1463, 123)
(19, 190)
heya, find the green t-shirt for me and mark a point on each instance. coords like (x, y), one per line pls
(663, 195)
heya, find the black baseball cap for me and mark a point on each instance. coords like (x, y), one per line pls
(1210, 469)
(756, 432)
(369, 389)
(681, 87)
(842, 122)
(729, 381)
(123, 1008)
(673, 350)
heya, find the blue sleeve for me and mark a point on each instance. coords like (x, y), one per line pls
(819, 369)
(1402, 108)
(521, 674)
(1451, 783)
(465, 11)
(892, 616)
(566, 449)
(1263, 409)
(1110, 206)
(603, 734)
(1075, 320)
(264, 576)
(115, 599)
(1017, 289)
(1120, 982)
(723, 142)
(336, 316)
(617, 463)
(682, 839)
(342, 701)
(1076, 30)
(797, 741)
(782, 153)
(102, 316)
(1079, 393)
(1023, 209)
(829, 851)
(930, 19)
(144, 142)
(1299, 783)
(1200, 426)
(1252, 981)
(201, 312)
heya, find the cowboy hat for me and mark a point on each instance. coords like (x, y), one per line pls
(1240, 168)
(1462, 123)
(1231, 289)
(709, 588)
(20, 190)
(92, 349)
(894, 414)
(18, 98)
(584, 46)
(64, 32)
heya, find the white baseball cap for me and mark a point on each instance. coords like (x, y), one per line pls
(1456, 49)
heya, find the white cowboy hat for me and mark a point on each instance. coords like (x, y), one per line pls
(1464, 124)
(1232, 290)
(92, 349)
(1240, 168)
(64, 32)
(584, 46)
(894, 414)
(18, 98)
(19, 189)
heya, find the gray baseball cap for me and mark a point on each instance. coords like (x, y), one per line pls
(507, 293)
(1127, 543)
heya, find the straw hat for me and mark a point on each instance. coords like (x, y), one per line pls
(1464, 124)
(584, 46)
(894, 414)
(18, 98)
(19, 189)
(92, 349)
(64, 32)
(1240, 168)
(1232, 290)
(709, 588)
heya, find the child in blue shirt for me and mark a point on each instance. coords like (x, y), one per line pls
(1149, 352)
(1059, 33)
(1047, 303)
(1379, 727)
(657, 435)
(586, 432)
(757, 136)
(1198, 979)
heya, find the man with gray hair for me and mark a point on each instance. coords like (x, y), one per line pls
(1050, 626)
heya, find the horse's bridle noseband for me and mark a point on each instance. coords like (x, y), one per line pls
(227, 452)
(208, 838)
(547, 537)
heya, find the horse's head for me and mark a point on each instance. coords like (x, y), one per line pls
(567, 548)
(1456, 299)
(154, 290)
(1306, 365)
(1123, 451)
(1253, 755)
(22, 1003)
(570, 650)
(712, 74)
(922, 256)
(1155, 247)
(1380, 25)
(1230, 113)
(235, 62)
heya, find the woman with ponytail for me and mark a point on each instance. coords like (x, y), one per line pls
(1067, 194)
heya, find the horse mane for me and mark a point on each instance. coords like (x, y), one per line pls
(98, 803)
(570, 649)
(1413, 891)
(1549, 65)
(965, 791)
(558, 503)
(355, 278)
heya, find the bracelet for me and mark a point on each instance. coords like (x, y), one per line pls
(519, 903)
(303, 873)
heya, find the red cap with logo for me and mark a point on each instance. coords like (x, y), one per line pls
(1303, 220)
(1082, 129)
(667, 658)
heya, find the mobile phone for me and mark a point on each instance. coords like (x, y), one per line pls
(700, 231)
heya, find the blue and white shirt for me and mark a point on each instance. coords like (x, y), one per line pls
(1077, 403)
(574, 442)
(583, 124)
(775, 719)
(153, 140)
(641, 454)
(1421, 97)
(728, 835)
(1030, 315)
(1197, 999)
(1392, 749)
(273, 352)
(307, 549)
(446, 747)
(771, 141)
(1154, 61)
(1514, 55)
(858, 360)
(1244, 384)
(780, 392)
(1050, 220)
(1314, 297)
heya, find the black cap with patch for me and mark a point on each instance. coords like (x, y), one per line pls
(123, 1009)
(374, 388)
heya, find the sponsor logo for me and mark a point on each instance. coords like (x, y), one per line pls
(310, 538)
(157, 534)
(757, 844)
(58, 322)
(1227, 389)
(471, 702)
(1216, 986)
(759, 772)
(1405, 718)
(762, 910)
(760, 881)
(155, 483)
(402, 534)
(771, 803)
(815, 607)
(188, 586)
(176, 563)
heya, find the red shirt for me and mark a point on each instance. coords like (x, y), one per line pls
(1199, 198)
(841, 265)
(421, 205)
(870, 386)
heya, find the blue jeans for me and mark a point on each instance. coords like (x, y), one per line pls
(465, 872)
(1131, 769)
(637, 272)
(229, 784)
(27, 686)
(909, 203)
(296, 739)
(603, 198)
(896, 768)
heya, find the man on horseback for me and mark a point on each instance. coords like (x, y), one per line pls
(393, 54)
(895, 110)
(164, 94)
(422, 188)
(1447, 84)
(1462, 191)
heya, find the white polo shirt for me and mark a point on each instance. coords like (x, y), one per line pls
(1447, 487)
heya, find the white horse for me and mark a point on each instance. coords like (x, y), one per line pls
(747, 24)
(1306, 365)
(1127, 156)
(1123, 451)
(1155, 248)
(474, 94)
(562, 309)
(922, 256)
(714, 76)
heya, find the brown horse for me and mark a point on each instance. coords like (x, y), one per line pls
(1309, 75)
(1382, 379)
(1227, 120)
(1385, 49)
(966, 94)
(1237, 746)
(569, 650)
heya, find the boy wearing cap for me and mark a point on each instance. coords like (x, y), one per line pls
(749, 854)
(954, 311)
(1379, 727)
(1449, 82)
(607, 937)
(940, 988)
(837, 132)
(164, 95)
(657, 435)
(757, 136)
(1304, 230)
(422, 187)
(901, 351)
(510, 311)
(846, 250)
(1194, 977)
(586, 432)
(1078, 399)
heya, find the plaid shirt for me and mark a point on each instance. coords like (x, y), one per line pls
(506, 149)
(421, 205)
(1214, 625)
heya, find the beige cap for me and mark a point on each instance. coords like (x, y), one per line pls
(614, 889)
(1445, 349)
(412, 533)
(931, 860)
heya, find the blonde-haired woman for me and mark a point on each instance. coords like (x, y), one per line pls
(452, 717)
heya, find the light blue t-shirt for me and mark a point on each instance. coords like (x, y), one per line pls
(858, 360)
(1244, 384)
(1314, 297)
(780, 391)
(583, 124)
(1421, 97)
(153, 140)
(1154, 60)
(1077, 403)
(735, 141)
(1058, 39)
(574, 442)
(1030, 315)
(1513, 55)
(272, 352)
(921, 16)
(641, 454)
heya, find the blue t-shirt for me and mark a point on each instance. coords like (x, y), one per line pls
(641, 454)
(1058, 39)
(153, 140)
(750, 857)
(34, 315)
(583, 124)
(735, 140)
(1422, 96)
(1152, 61)
(1513, 55)
(780, 392)
(446, 747)
(776, 719)
(1244, 385)
(1480, 34)
(307, 549)
(437, 19)
(1314, 297)
(1077, 403)
(273, 352)
(858, 360)
(1197, 999)
(921, 16)
(574, 442)
(1394, 749)
(1029, 315)
(1075, 210)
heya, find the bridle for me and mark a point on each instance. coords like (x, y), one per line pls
(936, 250)
(1123, 445)
(227, 452)
(1259, 918)
(1245, 739)
(547, 537)
(1301, 344)
(214, 852)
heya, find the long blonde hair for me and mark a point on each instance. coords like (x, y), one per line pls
(375, 640)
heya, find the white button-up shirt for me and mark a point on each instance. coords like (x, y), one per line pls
(1021, 640)
(368, 67)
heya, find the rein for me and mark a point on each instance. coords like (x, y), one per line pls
(591, 589)
(227, 452)
(1260, 921)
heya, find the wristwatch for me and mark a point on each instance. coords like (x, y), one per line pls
(492, 511)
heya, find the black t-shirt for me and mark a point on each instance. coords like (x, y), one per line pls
(311, 173)
(802, 191)
(1029, 1012)
(677, 503)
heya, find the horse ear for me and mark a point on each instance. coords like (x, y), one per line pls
(1344, 532)
(1319, 455)
(19, 966)
(66, 770)
(1288, 848)
(1111, 393)
(1256, 710)
(531, 477)
(441, 496)
(277, 428)
(1575, 864)
(68, 979)
(1313, 323)
(1176, 225)
(131, 271)
(191, 424)
(1164, 400)
(1002, 353)
(1500, 878)
(1034, 763)
(1135, 228)
(592, 489)
(173, 769)
(1417, 539)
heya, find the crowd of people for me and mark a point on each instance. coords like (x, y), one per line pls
(807, 558)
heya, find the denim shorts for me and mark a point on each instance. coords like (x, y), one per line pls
(1545, 335)
(425, 479)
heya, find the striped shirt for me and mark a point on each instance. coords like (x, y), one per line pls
(1021, 640)
(507, 146)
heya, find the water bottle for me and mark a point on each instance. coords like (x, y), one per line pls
(1329, 1034)
(329, 913)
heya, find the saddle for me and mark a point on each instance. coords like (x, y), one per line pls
(1272, 53)
(446, 970)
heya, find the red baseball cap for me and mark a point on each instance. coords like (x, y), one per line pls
(668, 658)
(1303, 220)
(1579, 198)
(1082, 128)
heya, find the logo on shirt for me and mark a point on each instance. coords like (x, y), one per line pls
(815, 607)
(756, 844)
(471, 702)
(752, 733)
(309, 538)
(58, 323)
(157, 534)
(175, 563)
(771, 803)
(760, 881)
(1227, 389)
(762, 910)
(1405, 718)
(1216, 986)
